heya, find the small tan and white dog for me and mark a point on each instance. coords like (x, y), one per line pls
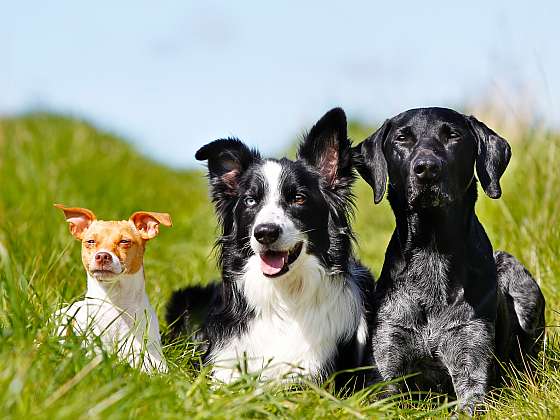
(115, 308)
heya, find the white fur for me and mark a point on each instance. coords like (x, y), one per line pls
(300, 319)
(362, 336)
(272, 211)
(119, 312)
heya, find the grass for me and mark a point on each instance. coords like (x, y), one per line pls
(46, 159)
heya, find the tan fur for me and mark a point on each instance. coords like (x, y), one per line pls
(109, 235)
(116, 307)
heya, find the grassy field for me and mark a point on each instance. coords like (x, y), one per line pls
(46, 159)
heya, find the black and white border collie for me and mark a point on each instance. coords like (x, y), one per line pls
(293, 300)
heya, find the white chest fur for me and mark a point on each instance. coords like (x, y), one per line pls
(300, 319)
(120, 314)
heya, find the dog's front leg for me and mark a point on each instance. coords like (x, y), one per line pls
(467, 353)
(393, 346)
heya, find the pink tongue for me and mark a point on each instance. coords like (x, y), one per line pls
(273, 262)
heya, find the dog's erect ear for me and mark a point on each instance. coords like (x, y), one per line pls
(492, 158)
(370, 161)
(327, 147)
(78, 219)
(227, 160)
(147, 223)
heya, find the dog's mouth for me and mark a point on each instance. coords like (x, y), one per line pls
(103, 274)
(429, 196)
(277, 263)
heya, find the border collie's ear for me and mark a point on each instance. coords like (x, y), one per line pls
(371, 163)
(227, 160)
(492, 157)
(327, 147)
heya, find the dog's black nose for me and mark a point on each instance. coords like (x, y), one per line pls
(267, 233)
(427, 168)
(103, 257)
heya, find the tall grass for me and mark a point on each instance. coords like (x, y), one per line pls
(46, 159)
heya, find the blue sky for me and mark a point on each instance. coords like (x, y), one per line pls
(174, 75)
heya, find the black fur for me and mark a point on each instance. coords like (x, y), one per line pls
(324, 173)
(445, 304)
(187, 310)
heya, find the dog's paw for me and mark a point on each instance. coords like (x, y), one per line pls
(472, 406)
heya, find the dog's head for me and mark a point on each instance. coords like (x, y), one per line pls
(112, 248)
(429, 155)
(277, 213)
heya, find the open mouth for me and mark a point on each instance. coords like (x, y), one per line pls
(277, 263)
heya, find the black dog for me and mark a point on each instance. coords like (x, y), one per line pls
(445, 304)
(293, 300)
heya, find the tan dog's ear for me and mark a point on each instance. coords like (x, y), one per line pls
(78, 219)
(147, 222)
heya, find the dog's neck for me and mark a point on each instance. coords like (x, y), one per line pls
(126, 291)
(440, 228)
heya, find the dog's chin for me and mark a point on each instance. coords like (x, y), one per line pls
(105, 276)
(428, 197)
(277, 263)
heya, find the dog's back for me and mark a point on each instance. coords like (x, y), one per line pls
(187, 314)
(522, 332)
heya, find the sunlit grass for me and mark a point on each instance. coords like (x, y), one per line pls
(46, 159)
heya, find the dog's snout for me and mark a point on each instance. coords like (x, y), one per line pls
(103, 257)
(267, 233)
(427, 168)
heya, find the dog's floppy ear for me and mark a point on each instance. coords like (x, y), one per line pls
(492, 158)
(227, 160)
(147, 223)
(371, 163)
(328, 149)
(78, 219)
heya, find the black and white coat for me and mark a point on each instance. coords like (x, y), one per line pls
(293, 300)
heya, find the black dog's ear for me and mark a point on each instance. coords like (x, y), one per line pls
(227, 160)
(328, 149)
(492, 158)
(371, 163)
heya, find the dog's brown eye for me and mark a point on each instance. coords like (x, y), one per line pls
(401, 137)
(90, 242)
(300, 199)
(125, 242)
(454, 135)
